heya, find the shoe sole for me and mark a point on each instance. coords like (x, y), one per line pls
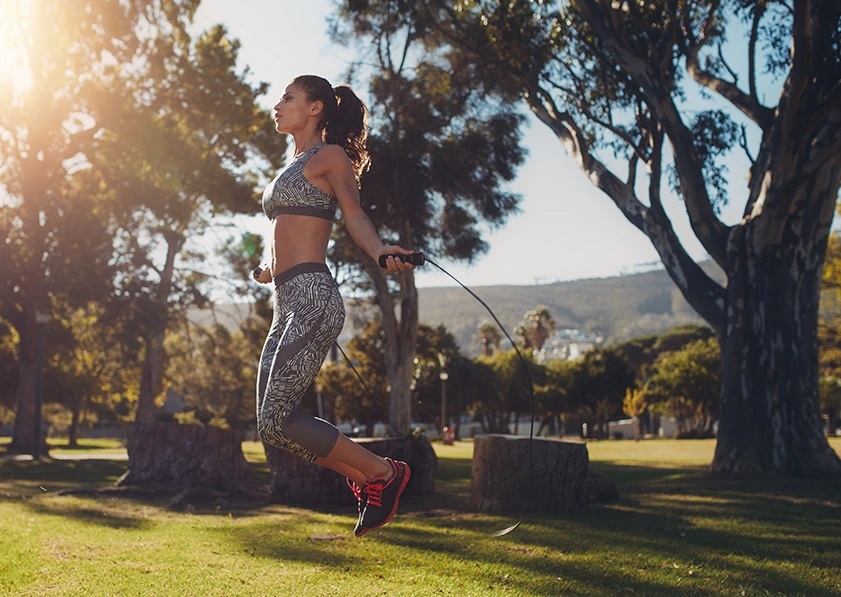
(406, 476)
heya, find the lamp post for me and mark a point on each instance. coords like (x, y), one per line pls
(41, 319)
(443, 376)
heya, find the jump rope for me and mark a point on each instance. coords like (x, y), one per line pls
(418, 259)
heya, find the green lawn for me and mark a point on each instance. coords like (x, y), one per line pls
(677, 530)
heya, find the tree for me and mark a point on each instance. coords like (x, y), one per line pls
(355, 400)
(507, 392)
(213, 369)
(634, 405)
(535, 329)
(596, 386)
(90, 375)
(182, 172)
(685, 382)
(442, 374)
(829, 335)
(614, 81)
(488, 337)
(54, 241)
(441, 153)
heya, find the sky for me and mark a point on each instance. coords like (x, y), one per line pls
(566, 229)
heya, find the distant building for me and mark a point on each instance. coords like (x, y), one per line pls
(568, 345)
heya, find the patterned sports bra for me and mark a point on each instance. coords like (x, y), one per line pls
(291, 193)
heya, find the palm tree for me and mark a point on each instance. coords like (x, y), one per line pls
(488, 337)
(536, 327)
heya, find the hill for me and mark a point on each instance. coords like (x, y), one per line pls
(617, 308)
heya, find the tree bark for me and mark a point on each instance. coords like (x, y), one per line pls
(770, 409)
(513, 474)
(23, 436)
(400, 339)
(152, 373)
(178, 457)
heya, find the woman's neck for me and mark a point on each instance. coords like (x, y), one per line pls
(306, 142)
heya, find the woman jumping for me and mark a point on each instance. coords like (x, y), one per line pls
(329, 128)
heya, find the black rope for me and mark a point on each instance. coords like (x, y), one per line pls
(359, 377)
(523, 361)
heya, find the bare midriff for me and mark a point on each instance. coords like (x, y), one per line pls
(298, 239)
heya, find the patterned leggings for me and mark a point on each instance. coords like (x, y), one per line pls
(308, 317)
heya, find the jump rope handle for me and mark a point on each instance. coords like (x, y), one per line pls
(414, 258)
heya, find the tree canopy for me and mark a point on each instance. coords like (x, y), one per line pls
(652, 97)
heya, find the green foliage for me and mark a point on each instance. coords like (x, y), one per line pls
(509, 391)
(124, 137)
(213, 369)
(596, 386)
(686, 384)
(829, 335)
(441, 146)
(364, 402)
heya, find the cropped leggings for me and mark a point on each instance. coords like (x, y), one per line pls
(308, 317)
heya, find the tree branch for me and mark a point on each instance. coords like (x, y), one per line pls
(704, 294)
(705, 223)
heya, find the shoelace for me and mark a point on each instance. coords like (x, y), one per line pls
(359, 492)
(375, 494)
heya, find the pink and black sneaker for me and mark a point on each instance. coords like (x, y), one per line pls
(383, 498)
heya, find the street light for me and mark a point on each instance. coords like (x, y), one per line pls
(443, 376)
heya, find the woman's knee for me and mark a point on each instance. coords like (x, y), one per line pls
(270, 427)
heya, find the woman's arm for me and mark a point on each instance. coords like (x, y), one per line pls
(339, 174)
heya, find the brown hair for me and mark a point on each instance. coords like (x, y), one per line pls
(344, 120)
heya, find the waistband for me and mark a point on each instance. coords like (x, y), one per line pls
(301, 268)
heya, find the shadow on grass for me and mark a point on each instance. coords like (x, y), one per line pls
(673, 531)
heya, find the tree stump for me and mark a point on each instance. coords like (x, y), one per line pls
(502, 481)
(181, 457)
(296, 481)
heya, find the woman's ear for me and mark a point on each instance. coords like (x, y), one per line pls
(317, 107)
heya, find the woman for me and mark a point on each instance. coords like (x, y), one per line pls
(328, 127)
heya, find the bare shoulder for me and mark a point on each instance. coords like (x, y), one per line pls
(332, 155)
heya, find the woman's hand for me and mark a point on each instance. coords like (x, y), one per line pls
(392, 265)
(262, 274)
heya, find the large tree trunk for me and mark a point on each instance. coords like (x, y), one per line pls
(152, 374)
(770, 409)
(23, 437)
(400, 339)
(178, 457)
(512, 474)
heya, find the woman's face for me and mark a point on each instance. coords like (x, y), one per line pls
(292, 111)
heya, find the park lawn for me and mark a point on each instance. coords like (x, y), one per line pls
(676, 530)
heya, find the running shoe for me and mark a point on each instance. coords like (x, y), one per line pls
(384, 497)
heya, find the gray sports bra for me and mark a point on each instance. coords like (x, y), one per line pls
(291, 193)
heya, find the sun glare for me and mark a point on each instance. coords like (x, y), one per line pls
(13, 72)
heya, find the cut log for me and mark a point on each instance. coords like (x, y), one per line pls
(296, 481)
(176, 457)
(502, 480)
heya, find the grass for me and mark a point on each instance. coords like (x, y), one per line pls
(677, 530)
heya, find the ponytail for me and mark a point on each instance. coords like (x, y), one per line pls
(344, 121)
